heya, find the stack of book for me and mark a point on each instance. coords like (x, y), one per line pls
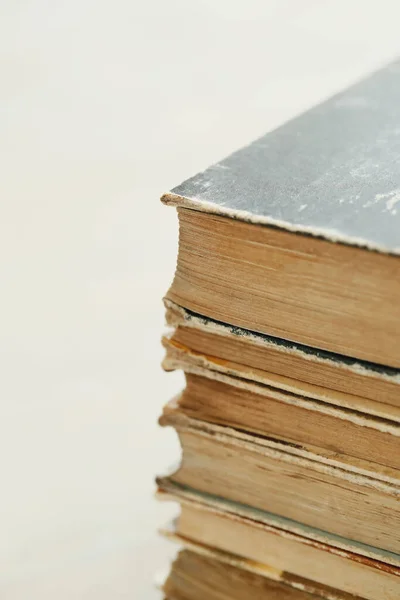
(285, 316)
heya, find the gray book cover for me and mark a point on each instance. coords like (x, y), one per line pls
(332, 172)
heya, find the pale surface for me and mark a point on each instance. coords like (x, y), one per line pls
(105, 105)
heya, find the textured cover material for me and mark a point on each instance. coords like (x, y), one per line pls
(332, 172)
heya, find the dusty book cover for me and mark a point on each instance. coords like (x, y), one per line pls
(331, 172)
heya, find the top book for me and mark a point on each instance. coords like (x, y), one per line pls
(331, 175)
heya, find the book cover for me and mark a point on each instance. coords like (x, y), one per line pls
(332, 172)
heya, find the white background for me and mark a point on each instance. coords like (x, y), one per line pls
(104, 106)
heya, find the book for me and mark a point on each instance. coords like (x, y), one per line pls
(198, 341)
(170, 490)
(338, 435)
(200, 575)
(276, 478)
(297, 235)
(272, 548)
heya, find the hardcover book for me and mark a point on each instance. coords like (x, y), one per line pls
(298, 234)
